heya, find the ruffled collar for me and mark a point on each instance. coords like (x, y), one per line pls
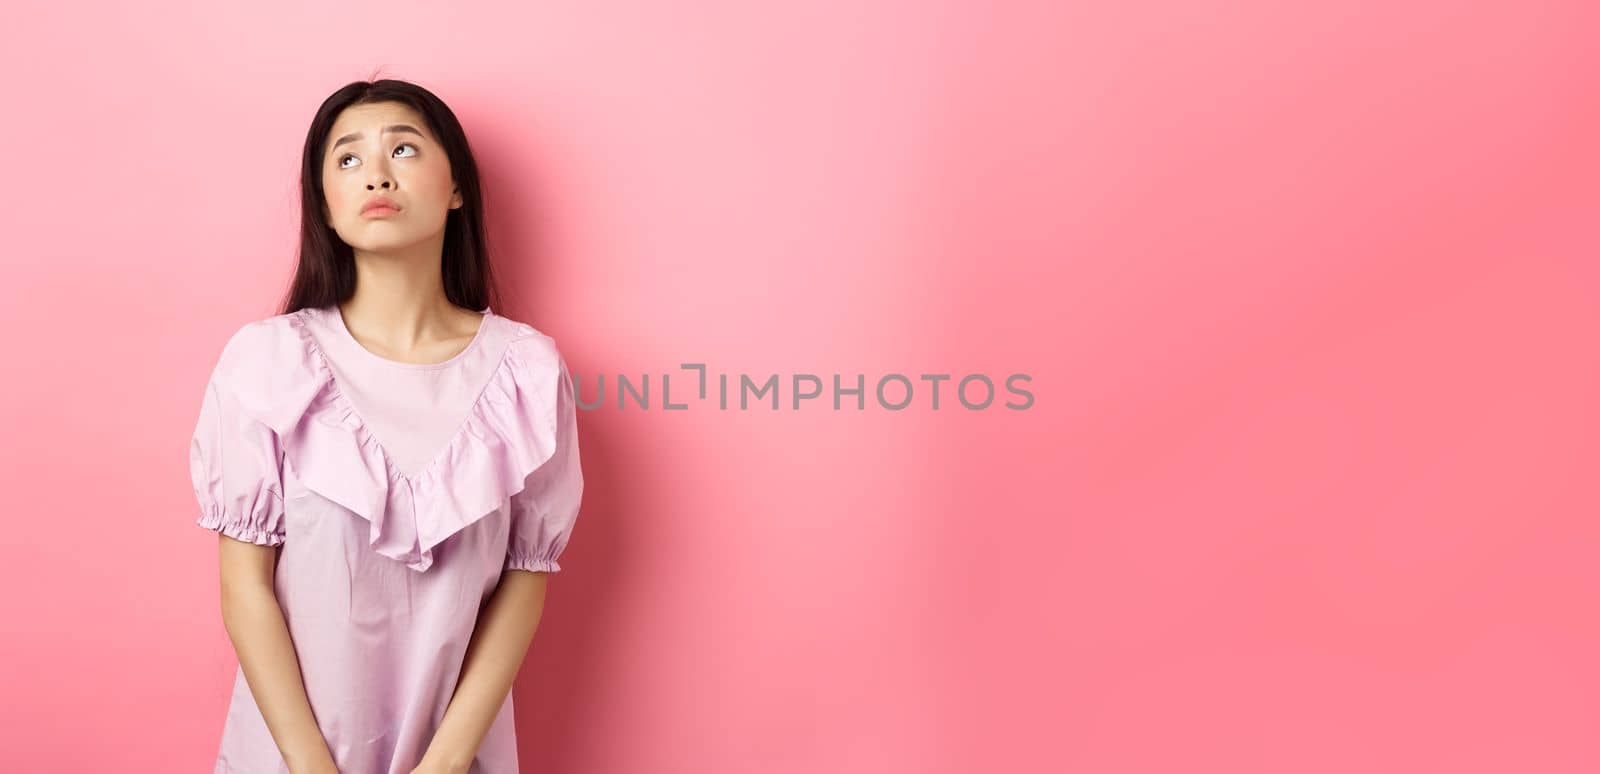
(509, 431)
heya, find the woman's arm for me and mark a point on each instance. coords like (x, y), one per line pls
(494, 655)
(255, 623)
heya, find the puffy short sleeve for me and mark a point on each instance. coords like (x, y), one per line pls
(543, 513)
(235, 462)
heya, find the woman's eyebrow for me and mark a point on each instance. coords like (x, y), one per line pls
(353, 136)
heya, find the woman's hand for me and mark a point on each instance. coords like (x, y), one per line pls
(435, 767)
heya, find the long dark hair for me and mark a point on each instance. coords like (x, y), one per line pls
(326, 273)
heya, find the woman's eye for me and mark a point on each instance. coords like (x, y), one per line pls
(413, 148)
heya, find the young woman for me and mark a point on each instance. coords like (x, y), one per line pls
(392, 467)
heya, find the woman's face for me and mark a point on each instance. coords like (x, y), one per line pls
(385, 149)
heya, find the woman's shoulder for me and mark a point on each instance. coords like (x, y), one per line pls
(267, 365)
(517, 330)
(261, 345)
(533, 346)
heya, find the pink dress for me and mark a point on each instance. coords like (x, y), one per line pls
(397, 493)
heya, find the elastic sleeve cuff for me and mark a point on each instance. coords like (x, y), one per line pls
(531, 563)
(215, 520)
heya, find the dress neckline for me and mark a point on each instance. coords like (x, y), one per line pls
(338, 324)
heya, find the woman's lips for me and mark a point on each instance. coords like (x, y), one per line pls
(378, 212)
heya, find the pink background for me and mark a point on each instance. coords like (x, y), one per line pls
(1309, 298)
